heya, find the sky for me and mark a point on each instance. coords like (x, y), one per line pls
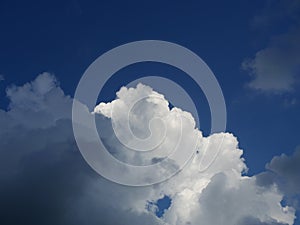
(253, 49)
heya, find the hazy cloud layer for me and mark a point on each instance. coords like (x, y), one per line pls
(44, 179)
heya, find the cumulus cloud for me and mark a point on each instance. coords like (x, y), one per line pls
(222, 195)
(140, 119)
(275, 68)
(1, 77)
(45, 180)
(284, 171)
(38, 104)
(287, 167)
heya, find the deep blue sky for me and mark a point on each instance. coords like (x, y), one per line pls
(64, 37)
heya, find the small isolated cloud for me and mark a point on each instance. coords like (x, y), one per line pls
(1, 77)
(276, 68)
(45, 180)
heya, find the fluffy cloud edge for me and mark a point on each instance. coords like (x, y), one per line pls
(46, 154)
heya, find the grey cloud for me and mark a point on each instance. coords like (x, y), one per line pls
(43, 177)
(283, 171)
(38, 104)
(275, 69)
(266, 179)
(288, 169)
(255, 221)
(49, 183)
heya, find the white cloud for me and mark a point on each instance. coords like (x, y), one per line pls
(142, 120)
(202, 189)
(42, 170)
(1, 77)
(221, 195)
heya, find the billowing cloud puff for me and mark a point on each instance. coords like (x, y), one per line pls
(38, 104)
(212, 182)
(284, 171)
(287, 167)
(140, 120)
(45, 180)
